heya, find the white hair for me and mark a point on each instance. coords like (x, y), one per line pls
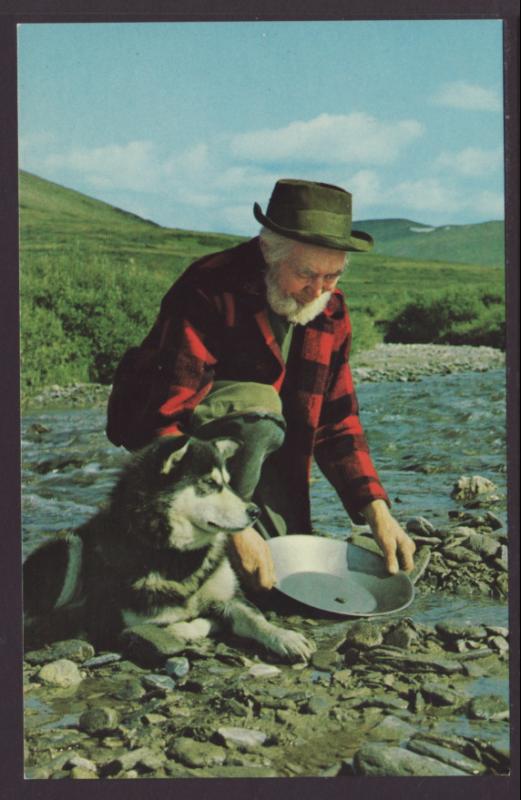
(275, 248)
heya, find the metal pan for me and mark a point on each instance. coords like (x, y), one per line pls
(337, 577)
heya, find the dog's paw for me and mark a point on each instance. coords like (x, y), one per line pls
(292, 646)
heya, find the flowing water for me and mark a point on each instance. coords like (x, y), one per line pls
(423, 437)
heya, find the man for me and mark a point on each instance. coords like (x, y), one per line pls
(254, 343)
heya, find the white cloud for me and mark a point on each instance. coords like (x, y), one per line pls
(432, 195)
(489, 204)
(467, 96)
(366, 188)
(471, 161)
(132, 166)
(329, 139)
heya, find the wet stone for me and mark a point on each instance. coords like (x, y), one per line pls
(177, 667)
(438, 694)
(497, 630)
(461, 554)
(160, 683)
(325, 660)
(71, 649)
(343, 677)
(196, 754)
(488, 707)
(451, 631)
(467, 488)
(473, 670)
(102, 660)
(417, 662)
(62, 673)
(499, 643)
(82, 763)
(492, 520)
(264, 671)
(420, 525)
(447, 756)
(501, 562)
(385, 702)
(127, 689)
(483, 545)
(392, 728)
(242, 738)
(317, 705)
(380, 760)
(99, 721)
(129, 760)
(401, 636)
(363, 635)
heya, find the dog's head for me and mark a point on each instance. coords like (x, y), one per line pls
(185, 482)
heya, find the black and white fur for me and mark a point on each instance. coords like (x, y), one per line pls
(156, 554)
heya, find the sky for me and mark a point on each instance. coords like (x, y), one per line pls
(188, 124)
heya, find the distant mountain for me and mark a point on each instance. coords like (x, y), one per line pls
(51, 215)
(480, 243)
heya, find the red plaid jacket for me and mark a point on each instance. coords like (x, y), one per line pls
(213, 325)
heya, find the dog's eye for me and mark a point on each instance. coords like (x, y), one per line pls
(210, 485)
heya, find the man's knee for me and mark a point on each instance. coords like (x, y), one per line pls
(265, 432)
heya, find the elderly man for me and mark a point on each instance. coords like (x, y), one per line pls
(253, 342)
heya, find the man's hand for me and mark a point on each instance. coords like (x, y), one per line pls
(397, 547)
(251, 558)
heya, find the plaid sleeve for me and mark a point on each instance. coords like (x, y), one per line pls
(341, 450)
(182, 331)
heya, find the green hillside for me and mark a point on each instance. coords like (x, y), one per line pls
(92, 277)
(481, 243)
(53, 217)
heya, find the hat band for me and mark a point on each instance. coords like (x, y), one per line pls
(327, 223)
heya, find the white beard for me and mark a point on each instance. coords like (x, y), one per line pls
(288, 306)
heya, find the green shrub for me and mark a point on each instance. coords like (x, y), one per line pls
(365, 332)
(474, 317)
(76, 321)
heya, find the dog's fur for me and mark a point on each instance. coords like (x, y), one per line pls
(156, 554)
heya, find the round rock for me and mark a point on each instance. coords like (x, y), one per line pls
(99, 720)
(62, 673)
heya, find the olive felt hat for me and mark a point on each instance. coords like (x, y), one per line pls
(314, 213)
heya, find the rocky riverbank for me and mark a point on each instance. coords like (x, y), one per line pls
(469, 554)
(402, 362)
(378, 698)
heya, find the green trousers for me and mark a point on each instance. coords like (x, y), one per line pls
(251, 413)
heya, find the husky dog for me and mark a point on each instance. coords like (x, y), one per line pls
(156, 554)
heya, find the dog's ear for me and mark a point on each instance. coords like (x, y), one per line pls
(227, 447)
(174, 458)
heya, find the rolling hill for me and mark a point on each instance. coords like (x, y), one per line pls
(52, 215)
(481, 243)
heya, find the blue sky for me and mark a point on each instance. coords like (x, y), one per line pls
(188, 124)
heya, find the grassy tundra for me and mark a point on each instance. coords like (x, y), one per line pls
(92, 277)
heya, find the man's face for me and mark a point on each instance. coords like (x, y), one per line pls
(308, 272)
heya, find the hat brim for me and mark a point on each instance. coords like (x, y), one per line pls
(359, 241)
